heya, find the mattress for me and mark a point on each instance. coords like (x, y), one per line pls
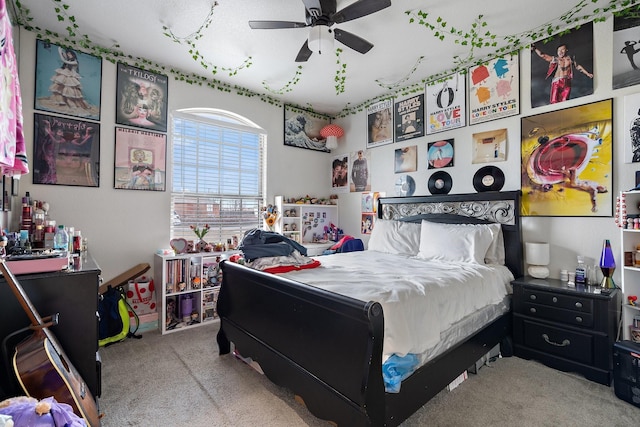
(428, 305)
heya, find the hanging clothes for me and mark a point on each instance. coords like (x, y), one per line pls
(13, 155)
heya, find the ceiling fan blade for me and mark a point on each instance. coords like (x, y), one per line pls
(305, 53)
(351, 40)
(359, 9)
(272, 25)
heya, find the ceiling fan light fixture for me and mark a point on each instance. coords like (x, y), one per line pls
(320, 39)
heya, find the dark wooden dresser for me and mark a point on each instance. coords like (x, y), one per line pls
(74, 295)
(566, 328)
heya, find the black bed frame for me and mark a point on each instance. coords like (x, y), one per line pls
(327, 348)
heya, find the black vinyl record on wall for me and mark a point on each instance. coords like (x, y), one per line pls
(488, 178)
(440, 183)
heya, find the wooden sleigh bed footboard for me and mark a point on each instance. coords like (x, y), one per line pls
(327, 348)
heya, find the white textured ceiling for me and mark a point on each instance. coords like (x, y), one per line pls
(404, 56)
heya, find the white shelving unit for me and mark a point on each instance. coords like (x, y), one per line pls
(630, 240)
(305, 224)
(190, 284)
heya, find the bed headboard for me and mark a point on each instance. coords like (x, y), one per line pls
(475, 208)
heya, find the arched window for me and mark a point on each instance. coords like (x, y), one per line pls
(218, 166)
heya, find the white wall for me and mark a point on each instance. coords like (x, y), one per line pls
(125, 227)
(568, 237)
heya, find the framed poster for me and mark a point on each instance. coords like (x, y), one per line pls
(140, 160)
(562, 67)
(340, 173)
(380, 123)
(446, 104)
(302, 129)
(409, 118)
(66, 151)
(440, 154)
(490, 146)
(632, 128)
(567, 161)
(626, 44)
(67, 81)
(141, 98)
(494, 89)
(360, 178)
(406, 159)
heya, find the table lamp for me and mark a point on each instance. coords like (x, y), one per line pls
(607, 266)
(537, 256)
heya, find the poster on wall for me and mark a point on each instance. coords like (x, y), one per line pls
(140, 160)
(440, 154)
(626, 44)
(562, 67)
(567, 162)
(302, 129)
(360, 179)
(446, 104)
(409, 118)
(632, 128)
(494, 89)
(67, 81)
(141, 98)
(490, 146)
(340, 173)
(66, 151)
(406, 159)
(380, 123)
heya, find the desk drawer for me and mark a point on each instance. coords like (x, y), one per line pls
(568, 317)
(560, 342)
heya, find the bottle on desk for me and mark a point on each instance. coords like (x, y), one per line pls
(581, 272)
(61, 239)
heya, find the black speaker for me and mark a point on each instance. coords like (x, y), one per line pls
(626, 371)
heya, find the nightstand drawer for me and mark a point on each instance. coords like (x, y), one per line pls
(560, 342)
(567, 302)
(568, 317)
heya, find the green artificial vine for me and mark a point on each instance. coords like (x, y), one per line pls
(341, 73)
(191, 39)
(477, 36)
(288, 87)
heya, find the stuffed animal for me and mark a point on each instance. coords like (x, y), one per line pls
(28, 411)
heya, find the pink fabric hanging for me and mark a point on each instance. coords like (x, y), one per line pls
(13, 155)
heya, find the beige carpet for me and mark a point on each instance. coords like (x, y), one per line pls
(179, 380)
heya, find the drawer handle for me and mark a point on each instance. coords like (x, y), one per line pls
(578, 319)
(564, 342)
(555, 299)
(533, 297)
(578, 305)
(532, 309)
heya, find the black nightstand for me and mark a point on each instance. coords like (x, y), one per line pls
(566, 328)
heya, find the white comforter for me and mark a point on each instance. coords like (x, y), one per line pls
(420, 298)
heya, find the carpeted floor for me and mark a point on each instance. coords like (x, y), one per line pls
(179, 380)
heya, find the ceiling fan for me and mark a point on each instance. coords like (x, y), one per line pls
(321, 15)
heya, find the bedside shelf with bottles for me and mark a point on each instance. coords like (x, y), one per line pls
(630, 274)
(189, 288)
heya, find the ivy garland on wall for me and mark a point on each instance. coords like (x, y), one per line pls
(476, 37)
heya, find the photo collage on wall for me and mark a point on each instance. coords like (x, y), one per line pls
(67, 84)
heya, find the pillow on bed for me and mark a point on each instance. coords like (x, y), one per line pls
(395, 237)
(455, 242)
(495, 253)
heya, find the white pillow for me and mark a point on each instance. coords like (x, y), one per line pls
(395, 237)
(455, 242)
(495, 253)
